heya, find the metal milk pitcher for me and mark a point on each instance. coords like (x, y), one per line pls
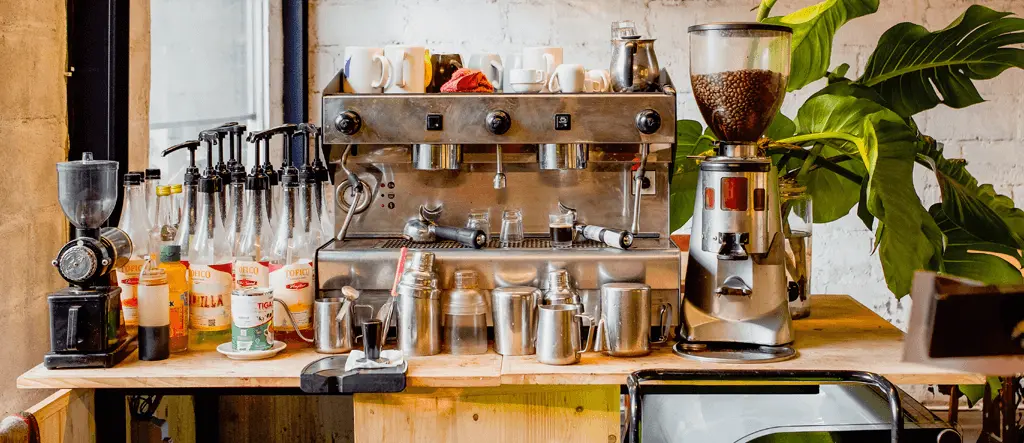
(634, 65)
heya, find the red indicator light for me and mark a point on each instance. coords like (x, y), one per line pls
(734, 193)
(709, 198)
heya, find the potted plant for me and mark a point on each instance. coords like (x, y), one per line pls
(854, 143)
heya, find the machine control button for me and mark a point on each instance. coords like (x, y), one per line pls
(648, 121)
(391, 205)
(391, 185)
(348, 122)
(563, 122)
(435, 122)
(498, 122)
(391, 196)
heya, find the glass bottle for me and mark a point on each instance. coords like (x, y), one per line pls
(176, 203)
(152, 202)
(210, 262)
(135, 222)
(291, 264)
(154, 314)
(797, 223)
(236, 210)
(311, 224)
(166, 225)
(187, 222)
(178, 295)
(465, 317)
(252, 258)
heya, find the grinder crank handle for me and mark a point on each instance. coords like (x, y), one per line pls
(474, 238)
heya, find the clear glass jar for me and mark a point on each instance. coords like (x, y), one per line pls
(465, 317)
(797, 223)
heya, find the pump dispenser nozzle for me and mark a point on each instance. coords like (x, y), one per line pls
(307, 174)
(236, 148)
(192, 171)
(287, 168)
(210, 137)
(268, 168)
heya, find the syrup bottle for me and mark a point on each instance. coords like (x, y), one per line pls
(135, 222)
(210, 262)
(291, 264)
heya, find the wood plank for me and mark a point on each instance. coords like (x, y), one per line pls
(207, 369)
(506, 414)
(840, 334)
(66, 417)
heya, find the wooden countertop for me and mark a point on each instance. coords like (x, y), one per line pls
(839, 334)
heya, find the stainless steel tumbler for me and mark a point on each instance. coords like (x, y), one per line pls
(515, 319)
(625, 326)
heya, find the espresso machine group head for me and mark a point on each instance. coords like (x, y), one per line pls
(735, 306)
(85, 317)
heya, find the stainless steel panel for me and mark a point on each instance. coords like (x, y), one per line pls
(594, 118)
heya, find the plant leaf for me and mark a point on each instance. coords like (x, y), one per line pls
(916, 70)
(968, 257)
(813, 30)
(978, 210)
(833, 196)
(781, 127)
(683, 183)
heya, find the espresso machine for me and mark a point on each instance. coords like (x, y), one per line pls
(85, 317)
(735, 305)
(412, 167)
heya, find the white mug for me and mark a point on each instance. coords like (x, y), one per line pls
(598, 80)
(407, 69)
(366, 70)
(526, 80)
(567, 78)
(544, 58)
(490, 65)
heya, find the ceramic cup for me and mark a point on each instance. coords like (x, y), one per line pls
(407, 69)
(526, 80)
(544, 58)
(490, 65)
(598, 80)
(366, 70)
(567, 78)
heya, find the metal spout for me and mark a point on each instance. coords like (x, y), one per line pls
(563, 156)
(437, 157)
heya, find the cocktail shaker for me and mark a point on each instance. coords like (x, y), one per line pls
(419, 307)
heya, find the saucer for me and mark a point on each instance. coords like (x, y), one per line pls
(225, 348)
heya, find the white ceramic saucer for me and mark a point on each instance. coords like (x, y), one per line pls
(225, 348)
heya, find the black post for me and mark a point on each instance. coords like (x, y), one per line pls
(98, 86)
(110, 415)
(295, 25)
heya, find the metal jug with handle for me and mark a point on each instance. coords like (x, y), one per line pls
(634, 65)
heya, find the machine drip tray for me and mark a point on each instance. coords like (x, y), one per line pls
(529, 243)
(733, 352)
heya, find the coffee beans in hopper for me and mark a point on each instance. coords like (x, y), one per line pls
(739, 105)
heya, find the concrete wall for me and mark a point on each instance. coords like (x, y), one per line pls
(988, 134)
(33, 126)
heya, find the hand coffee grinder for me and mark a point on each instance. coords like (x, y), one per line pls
(735, 307)
(85, 317)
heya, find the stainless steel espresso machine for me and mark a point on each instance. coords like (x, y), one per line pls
(426, 161)
(735, 307)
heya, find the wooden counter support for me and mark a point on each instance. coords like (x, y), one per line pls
(493, 398)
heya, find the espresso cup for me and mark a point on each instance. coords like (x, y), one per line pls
(407, 69)
(526, 80)
(491, 66)
(567, 78)
(558, 334)
(544, 58)
(598, 80)
(443, 66)
(366, 70)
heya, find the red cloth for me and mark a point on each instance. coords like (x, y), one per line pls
(467, 80)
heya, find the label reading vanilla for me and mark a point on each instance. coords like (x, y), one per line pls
(128, 281)
(294, 285)
(210, 300)
(251, 274)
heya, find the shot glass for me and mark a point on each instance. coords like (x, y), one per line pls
(480, 219)
(511, 228)
(560, 226)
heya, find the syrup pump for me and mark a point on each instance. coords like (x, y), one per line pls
(220, 168)
(235, 148)
(252, 257)
(308, 187)
(187, 225)
(235, 191)
(323, 189)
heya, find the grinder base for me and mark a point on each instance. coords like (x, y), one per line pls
(123, 349)
(733, 352)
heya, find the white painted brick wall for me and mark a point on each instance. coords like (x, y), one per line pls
(988, 134)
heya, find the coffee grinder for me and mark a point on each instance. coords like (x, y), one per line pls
(735, 307)
(85, 318)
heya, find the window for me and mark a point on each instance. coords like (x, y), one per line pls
(208, 67)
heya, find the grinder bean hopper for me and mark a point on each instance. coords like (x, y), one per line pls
(735, 305)
(85, 317)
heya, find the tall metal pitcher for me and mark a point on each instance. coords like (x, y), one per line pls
(634, 65)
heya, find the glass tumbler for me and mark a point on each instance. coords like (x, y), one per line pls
(560, 226)
(511, 228)
(480, 219)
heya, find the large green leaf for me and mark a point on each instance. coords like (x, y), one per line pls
(977, 209)
(691, 139)
(968, 257)
(916, 70)
(813, 30)
(832, 195)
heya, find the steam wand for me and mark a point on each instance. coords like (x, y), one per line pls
(638, 181)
